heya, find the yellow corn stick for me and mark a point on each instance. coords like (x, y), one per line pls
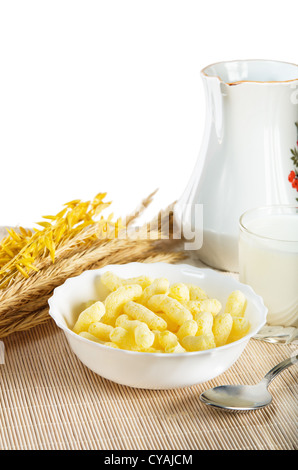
(188, 328)
(240, 328)
(196, 293)
(171, 325)
(167, 340)
(100, 330)
(143, 281)
(111, 280)
(87, 335)
(143, 337)
(175, 349)
(171, 307)
(204, 321)
(198, 343)
(115, 301)
(179, 291)
(236, 304)
(123, 339)
(222, 326)
(158, 286)
(207, 305)
(111, 345)
(142, 313)
(90, 315)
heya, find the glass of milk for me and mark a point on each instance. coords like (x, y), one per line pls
(268, 260)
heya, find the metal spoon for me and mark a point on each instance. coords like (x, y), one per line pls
(245, 397)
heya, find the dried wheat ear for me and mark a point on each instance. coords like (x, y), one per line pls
(34, 262)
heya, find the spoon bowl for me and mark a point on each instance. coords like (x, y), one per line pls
(238, 397)
(245, 397)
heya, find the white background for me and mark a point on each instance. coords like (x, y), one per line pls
(107, 95)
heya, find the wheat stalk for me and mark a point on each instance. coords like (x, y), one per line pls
(23, 304)
(25, 320)
(41, 300)
(43, 282)
(35, 315)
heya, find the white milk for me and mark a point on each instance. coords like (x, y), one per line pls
(270, 265)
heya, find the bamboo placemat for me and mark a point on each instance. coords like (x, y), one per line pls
(50, 400)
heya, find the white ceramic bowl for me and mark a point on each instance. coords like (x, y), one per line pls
(148, 370)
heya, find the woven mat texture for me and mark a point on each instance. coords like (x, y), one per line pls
(50, 400)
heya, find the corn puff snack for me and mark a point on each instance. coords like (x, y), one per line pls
(122, 338)
(179, 292)
(196, 293)
(171, 307)
(113, 282)
(239, 329)
(149, 315)
(198, 343)
(111, 345)
(143, 281)
(139, 312)
(171, 325)
(158, 286)
(100, 330)
(206, 305)
(167, 339)
(175, 349)
(141, 333)
(87, 335)
(90, 315)
(188, 328)
(236, 304)
(116, 300)
(204, 322)
(222, 327)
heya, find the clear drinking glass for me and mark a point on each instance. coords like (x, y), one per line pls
(268, 260)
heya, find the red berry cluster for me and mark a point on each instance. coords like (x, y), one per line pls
(293, 178)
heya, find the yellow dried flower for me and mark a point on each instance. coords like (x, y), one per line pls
(22, 250)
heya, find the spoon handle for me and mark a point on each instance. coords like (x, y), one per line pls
(279, 368)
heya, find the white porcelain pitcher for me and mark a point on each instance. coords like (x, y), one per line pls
(245, 159)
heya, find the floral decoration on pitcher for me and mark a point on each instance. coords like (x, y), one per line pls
(293, 176)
